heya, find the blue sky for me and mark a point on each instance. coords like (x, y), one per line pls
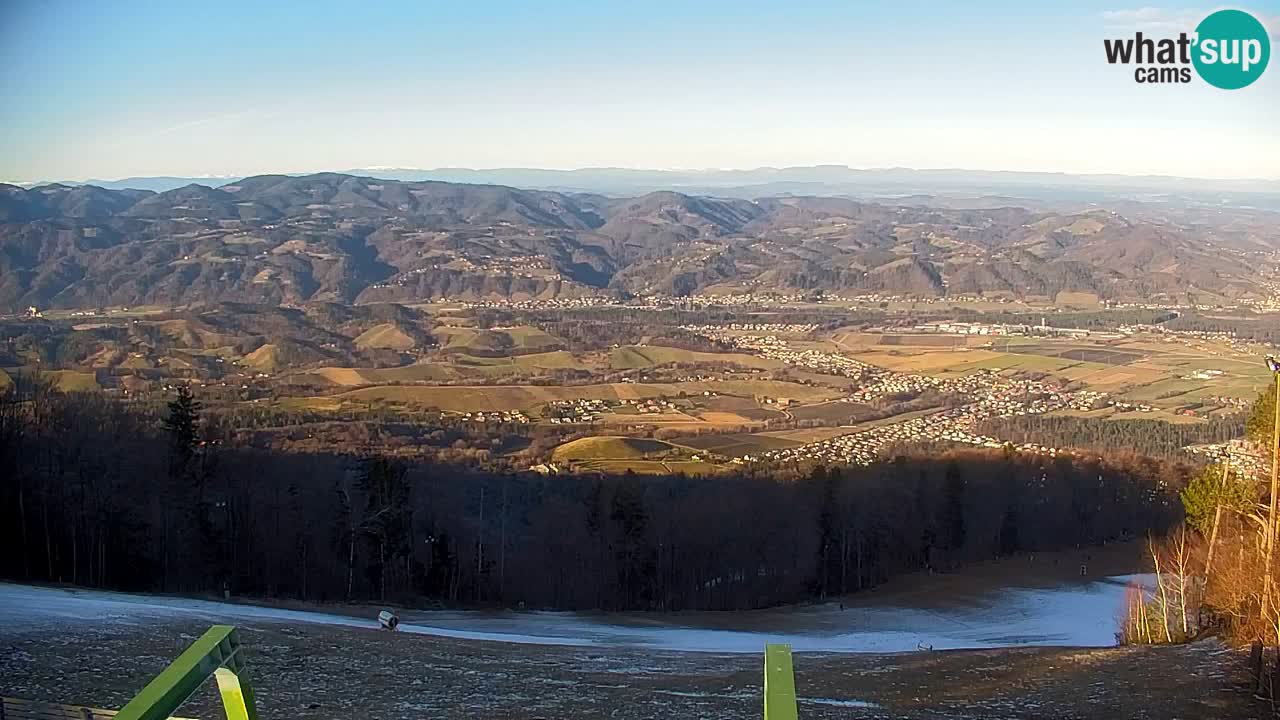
(130, 87)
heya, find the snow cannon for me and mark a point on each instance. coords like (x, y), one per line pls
(388, 620)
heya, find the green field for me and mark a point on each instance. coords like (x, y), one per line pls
(554, 360)
(385, 336)
(496, 342)
(617, 454)
(64, 380)
(632, 357)
(526, 397)
(421, 372)
(607, 447)
(738, 443)
(73, 381)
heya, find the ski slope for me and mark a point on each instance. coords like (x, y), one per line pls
(1079, 615)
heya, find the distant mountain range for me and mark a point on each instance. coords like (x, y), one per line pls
(281, 239)
(832, 180)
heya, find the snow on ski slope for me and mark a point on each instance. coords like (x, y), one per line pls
(1085, 614)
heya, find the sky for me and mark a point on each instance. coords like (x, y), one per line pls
(134, 87)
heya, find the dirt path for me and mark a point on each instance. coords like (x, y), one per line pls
(317, 672)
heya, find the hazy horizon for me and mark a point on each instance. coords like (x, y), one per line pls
(632, 169)
(143, 88)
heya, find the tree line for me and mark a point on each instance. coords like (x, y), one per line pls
(1217, 572)
(1264, 328)
(95, 494)
(1146, 437)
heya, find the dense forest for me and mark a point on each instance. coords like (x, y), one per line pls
(1155, 438)
(1264, 328)
(94, 493)
(1084, 320)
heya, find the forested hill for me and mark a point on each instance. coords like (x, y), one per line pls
(95, 494)
(331, 237)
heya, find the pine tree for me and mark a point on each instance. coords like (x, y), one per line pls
(180, 497)
(183, 427)
(1207, 490)
(1261, 418)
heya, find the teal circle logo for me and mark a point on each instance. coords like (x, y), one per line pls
(1232, 49)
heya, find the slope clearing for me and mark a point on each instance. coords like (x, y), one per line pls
(385, 337)
(606, 447)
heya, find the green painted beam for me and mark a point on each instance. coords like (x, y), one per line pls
(779, 683)
(217, 651)
(237, 695)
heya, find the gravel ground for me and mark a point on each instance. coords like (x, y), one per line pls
(319, 671)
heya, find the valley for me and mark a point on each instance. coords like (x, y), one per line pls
(726, 385)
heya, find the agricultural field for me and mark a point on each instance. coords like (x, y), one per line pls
(1166, 372)
(527, 397)
(933, 340)
(385, 336)
(836, 411)
(64, 380)
(736, 444)
(615, 454)
(422, 372)
(496, 342)
(603, 447)
(632, 357)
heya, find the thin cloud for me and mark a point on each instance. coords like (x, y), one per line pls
(1173, 20)
(237, 118)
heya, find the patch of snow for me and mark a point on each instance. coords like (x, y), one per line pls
(1079, 615)
(841, 703)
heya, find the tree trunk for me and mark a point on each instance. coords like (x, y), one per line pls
(48, 543)
(844, 561)
(1164, 595)
(75, 578)
(502, 547)
(480, 544)
(351, 563)
(22, 518)
(164, 543)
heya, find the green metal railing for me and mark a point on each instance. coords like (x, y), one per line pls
(779, 683)
(216, 653)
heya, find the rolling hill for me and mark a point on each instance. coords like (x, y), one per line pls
(333, 240)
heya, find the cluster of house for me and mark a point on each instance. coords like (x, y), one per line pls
(1232, 402)
(1245, 458)
(876, 298)
(775, 348)
(1185, 337)
(994, 396)
(725, 332)
(1203, 375)
(568, 412)
(562, 412)
(978, 328)
(1124, 406)
(496, 416)
(989, 393)
(651, 406)
(559, 303)
(1270, 303)
(735, 300)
